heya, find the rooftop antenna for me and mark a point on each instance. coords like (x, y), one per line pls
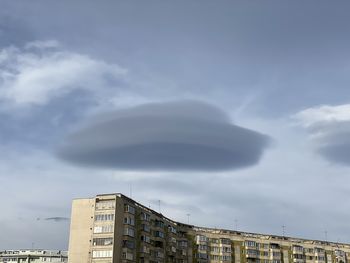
(283, 230)
(236, 224)
(326, 235)
(159, 207)
(188, 218)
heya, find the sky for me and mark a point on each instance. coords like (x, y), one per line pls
(235, 112)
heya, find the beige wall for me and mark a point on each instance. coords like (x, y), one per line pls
(81, 230)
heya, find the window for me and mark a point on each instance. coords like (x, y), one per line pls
(145, 216)
(226, 258)
(104, 217)
(102, 253)
(214, 257)
(299, 249)
(128, 244)
(129, 209)
(172, 229)
(319, 250)
(250, 243)
(159, 234)
(214, 240)
(144, 249)
(252, 252)
(129, 220)
(202, 247)
(129, 231)
(103, 229)
(276, 254)
(225, 241)
(226, 249)
(146, 228)
(159, 223)
(274, 246)
(201, 238)
(145, 238)
(202, 256)
(182, 243)
(102, 241)
(215, 249)
(128, 256)
(105, 204)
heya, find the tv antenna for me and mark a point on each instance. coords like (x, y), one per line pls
(188, 218)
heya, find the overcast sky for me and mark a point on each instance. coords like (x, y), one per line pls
(245, 104)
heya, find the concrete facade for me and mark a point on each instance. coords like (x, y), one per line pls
(80, 229)
(113, 228)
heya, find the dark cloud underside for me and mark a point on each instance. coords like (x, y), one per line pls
(165, 136)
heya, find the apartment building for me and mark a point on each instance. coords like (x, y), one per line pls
(33, 256)
(112, 228)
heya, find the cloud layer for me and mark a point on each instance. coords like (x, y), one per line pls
(42, 70)
(329, 127)
(183, 135)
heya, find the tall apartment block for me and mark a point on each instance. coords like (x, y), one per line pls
(112, 228)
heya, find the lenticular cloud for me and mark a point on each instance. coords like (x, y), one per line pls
(185, 135)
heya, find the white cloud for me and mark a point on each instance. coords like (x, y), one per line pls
(42, 71)
(329, 130)
(317, 115)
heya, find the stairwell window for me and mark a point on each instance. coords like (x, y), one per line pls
(102, 253)
(103, 241)
(103, 229)
(104, 217)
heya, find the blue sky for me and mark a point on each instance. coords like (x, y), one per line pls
(279, 69)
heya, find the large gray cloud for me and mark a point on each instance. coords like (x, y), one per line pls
(183, 135)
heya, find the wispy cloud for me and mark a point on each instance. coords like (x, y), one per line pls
(57, 219)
